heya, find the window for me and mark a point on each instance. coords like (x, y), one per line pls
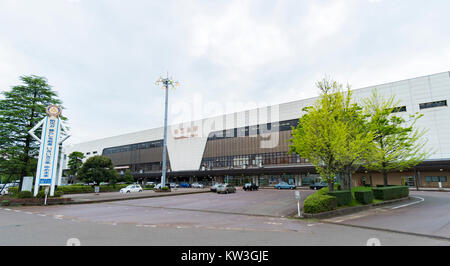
(433, 104)
(435, 179)
(94, 152)
(399, 109)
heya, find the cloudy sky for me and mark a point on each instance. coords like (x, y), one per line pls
(103, 56)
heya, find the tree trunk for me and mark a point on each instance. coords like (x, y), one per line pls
(349, 174)
(330, 185)
(370, 177)
(385, 177)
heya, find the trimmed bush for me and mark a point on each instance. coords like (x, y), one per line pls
(318, 202)
(12, 191)
(364, 197)
(343, 197)
(24, 194)
(389, 193)
(77, 189)
(5, 203)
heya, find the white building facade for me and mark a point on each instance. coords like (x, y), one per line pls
(252, 145)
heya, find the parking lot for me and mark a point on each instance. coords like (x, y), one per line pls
(242, 218)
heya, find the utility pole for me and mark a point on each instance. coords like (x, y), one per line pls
(166, 83)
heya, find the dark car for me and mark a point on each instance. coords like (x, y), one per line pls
(318, 185)
(250, 187)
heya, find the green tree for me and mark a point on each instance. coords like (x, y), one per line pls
(75, 163)
(331, 134)
(398, 143)
(128, 177)
(98, 169)
(20, 110)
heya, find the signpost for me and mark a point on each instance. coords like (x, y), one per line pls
(52, 128)
(298, 197)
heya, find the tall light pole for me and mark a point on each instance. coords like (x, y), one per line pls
(166, 83)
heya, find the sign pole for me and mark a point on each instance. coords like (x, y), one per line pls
(50, 141)
(298, 197)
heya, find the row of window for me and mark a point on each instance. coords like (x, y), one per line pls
(433, 104)
(253, 130)
(422, 106)
(251, 160)
(134, 147)
(148, 167)
(89, 153)
(435, 179)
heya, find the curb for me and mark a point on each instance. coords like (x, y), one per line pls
(71, 202)
(350, 210)
(388, 230)
(131, 198)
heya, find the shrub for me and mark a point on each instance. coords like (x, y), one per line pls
(12, 191)
(319, 202)
(24, 194)
(391, 192)
(5, 203)
(77, 189)
(364, 197)
(163, 189)
(343, 197)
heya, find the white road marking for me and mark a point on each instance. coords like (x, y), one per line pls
(401, 206)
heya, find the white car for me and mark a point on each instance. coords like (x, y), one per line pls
(174, 185)
(5, 188)
(4, 191)
(131, 188)
(197, 185)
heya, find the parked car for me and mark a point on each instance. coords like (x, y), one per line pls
(250, 187)
(197, 185)
(158, 186)
(318, 185)
(174, 185)
(284, 185)
(185, 185)
(3, 191)
(214, 188)
(225, 189)
(131, 188)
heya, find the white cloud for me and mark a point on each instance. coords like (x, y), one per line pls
(104, 56)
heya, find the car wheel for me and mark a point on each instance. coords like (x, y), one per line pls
(128, 191)
(140, 190)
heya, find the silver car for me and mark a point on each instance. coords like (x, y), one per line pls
(225, 189)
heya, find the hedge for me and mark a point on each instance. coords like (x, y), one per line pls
(73, 189)
(319, 202)
(89, 189)
(389, 193)
(364, 197)
(343, 197)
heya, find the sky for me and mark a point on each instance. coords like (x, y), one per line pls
(104, 56)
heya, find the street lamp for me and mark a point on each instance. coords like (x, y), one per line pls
(166, 83)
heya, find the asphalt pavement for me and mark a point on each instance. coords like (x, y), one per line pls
(243, 218)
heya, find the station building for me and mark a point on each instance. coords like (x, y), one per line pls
(252, 145)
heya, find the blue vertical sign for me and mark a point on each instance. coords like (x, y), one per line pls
(48, 155)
